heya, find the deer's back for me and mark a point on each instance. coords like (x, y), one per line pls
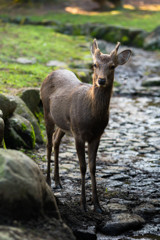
(57, 93)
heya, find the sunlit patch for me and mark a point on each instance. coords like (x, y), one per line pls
(77, 10)
(115, 12)
(127, 6)
(145, 7)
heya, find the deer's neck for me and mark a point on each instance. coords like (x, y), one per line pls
(100, 98)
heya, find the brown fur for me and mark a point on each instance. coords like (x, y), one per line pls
(81, 109)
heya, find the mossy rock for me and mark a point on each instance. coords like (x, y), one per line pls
(7, 106)
(139, 39)
(31, 97)
(24, 111)
(1, 130)
(19, 133)
(23, 189)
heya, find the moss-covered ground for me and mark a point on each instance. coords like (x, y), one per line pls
(34, 42)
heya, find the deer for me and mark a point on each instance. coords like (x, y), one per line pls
(81, 109)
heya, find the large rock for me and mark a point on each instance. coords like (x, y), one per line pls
(7, 105)
(31, 97)
(19, 133)
(1, 128)
(152, 41)
(24, 111)
(23, 189)
(42, 230)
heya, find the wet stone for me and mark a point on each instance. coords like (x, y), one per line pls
(145, 209)
(120, 177)
(121, 223)
(85, 234)
(115, 207)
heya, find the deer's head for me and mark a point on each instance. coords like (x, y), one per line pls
(105, 64)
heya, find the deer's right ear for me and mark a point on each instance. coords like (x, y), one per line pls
(94, 47)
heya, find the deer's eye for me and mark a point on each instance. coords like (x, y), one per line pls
(112, 67)
(94, 65)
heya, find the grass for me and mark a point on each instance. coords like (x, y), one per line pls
(43, 44)
(37, 42)
(146, 20)
(136, 19)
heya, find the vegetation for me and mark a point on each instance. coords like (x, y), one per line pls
(128, 18)
(37, 42)
(43, 44)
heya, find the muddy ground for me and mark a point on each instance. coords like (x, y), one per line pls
(127, 163)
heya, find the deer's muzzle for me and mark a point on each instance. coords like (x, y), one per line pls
(101, 81)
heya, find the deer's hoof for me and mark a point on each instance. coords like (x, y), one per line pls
(98, 209)
(58, 186)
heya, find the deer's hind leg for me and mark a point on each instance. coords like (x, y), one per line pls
(50, 128)
(56, 142)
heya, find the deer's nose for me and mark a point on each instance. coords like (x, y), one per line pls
(101, 81)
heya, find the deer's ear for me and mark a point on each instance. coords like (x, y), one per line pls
(123, 57)
(94, 46)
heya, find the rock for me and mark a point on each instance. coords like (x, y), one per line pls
(121, 223)
(53, 230)
(138, 40)
(56, 63)
(145, 209)
(152, 41)
(115, 207)
(23, 189)
(19, 133)
(24, 111)
(84, 75)
(31, 97)
(7, 106)
(24, 60)
(1, 130)
(85, 234)
(149, 82)
(1, 113)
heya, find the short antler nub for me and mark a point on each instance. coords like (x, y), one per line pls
(114, 52)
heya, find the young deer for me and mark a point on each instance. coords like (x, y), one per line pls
(81, 109)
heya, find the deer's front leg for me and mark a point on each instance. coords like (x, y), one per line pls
(92, 153)
(80, 147)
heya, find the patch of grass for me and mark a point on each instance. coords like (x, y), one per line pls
(136, 19)
(38, 42)
(146, 20)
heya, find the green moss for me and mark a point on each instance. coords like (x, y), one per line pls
(33, 137)
(117, 84)
(24, 127)
(125, 39)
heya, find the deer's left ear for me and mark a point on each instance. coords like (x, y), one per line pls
(123, 57)
(94, 46)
